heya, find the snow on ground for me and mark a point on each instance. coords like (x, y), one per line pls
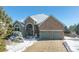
(66, 37)
(20, 46)
(73, 43)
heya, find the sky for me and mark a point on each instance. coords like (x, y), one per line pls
(68, 15)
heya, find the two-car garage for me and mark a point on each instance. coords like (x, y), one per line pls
(52, 35)
(51, 29)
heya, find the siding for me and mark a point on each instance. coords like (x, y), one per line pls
(51, 24)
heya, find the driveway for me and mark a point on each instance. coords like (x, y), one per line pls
(47, 46)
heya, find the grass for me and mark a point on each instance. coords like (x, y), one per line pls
(47, 46)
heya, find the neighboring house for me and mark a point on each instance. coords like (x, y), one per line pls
(41, 26)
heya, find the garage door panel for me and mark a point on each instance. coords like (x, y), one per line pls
(57, 35)
(44, 35)
(53, 35)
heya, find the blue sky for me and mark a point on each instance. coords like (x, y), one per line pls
(66, 14)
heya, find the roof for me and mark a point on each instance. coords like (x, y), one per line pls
(19, 23)
(39, 18)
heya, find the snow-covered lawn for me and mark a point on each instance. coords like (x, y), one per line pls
(71, 43)
(18, 47)
(66, 37)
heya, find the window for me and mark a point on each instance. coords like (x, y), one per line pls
(29, 26)
(16, 28)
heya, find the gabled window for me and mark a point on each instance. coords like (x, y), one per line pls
(16, 28)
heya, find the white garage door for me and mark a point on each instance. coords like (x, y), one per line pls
(57, 35)
(53, 35)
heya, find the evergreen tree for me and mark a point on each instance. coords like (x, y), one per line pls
(9, 28)
(72, 28)
(77, 29)
(5, 23)
(66, 30)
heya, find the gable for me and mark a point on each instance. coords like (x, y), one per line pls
(29, 20)
(51, 24)
(19, 24)
(16, 23)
